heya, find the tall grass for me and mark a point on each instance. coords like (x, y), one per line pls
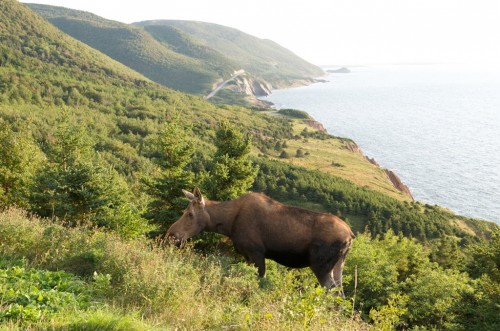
(136, 284)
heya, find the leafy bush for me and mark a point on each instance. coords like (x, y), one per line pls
(30, 295)
(399, 286)
(284, 155)
(295, 113)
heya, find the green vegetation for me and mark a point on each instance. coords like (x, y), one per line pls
(130, 285)
(260, 57)
(186, 56)
(174, 151)
(379, 213)
(390, 282)
(295, 113)
(232, 172)
(95, 153)
(20, 158)
(137, 49)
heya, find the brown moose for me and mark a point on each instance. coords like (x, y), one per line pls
(261, 228)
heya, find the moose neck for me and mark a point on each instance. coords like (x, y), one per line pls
(222, 215)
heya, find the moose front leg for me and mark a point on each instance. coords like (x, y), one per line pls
(257, 259)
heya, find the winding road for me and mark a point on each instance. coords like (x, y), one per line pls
(221, 85)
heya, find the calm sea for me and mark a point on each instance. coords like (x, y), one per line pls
(436, 126)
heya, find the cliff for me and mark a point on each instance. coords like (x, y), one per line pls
(395, 180)
(250, 86)
(316, 125)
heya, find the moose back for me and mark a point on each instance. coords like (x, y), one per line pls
(261, 228)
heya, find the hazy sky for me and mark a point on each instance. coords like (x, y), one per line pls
(337, 31)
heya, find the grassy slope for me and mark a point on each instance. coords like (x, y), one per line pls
(31, 35)
(182, 43)
(332, 156)
(139, 287)
(177, 55)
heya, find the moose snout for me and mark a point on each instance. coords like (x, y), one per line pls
(174, 238)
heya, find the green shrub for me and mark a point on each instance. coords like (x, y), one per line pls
(284, 155)
(31, 295)
(295, 113)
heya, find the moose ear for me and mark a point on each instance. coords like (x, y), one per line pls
(189, 195)
(198, 196)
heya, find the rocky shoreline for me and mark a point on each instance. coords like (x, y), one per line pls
(391, 175)
(255, 88)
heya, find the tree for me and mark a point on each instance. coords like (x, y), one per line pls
(20, 157)
(479, 310)
(77, 185)
(232, 173)
(175, 152)
(433, 295)
(284, 155)
(484, 258)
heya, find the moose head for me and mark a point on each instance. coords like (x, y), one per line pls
(193, 221)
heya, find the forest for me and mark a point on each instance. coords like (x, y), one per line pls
(93, 157)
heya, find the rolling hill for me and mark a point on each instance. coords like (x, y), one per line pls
(135, 48)
(187, 56)
(261, 57)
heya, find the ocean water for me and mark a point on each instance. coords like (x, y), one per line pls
(436, 126)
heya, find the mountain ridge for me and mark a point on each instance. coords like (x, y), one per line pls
(176, 55)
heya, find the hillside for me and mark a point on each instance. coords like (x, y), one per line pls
(137, 49)
(261, 57)
(92, 159)
(178, 58)
(34, 38)
(47, 74)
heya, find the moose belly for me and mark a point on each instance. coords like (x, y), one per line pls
(288, 259)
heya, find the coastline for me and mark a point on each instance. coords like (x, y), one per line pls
(423, 123)
(392, 177)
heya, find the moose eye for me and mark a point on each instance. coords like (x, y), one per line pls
(190, 214)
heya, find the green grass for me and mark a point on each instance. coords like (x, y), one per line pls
(294, 113)
(137, 285)
(332, 155)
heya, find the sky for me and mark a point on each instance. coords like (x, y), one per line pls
(337, 32)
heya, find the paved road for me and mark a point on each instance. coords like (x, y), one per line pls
(221, 85)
